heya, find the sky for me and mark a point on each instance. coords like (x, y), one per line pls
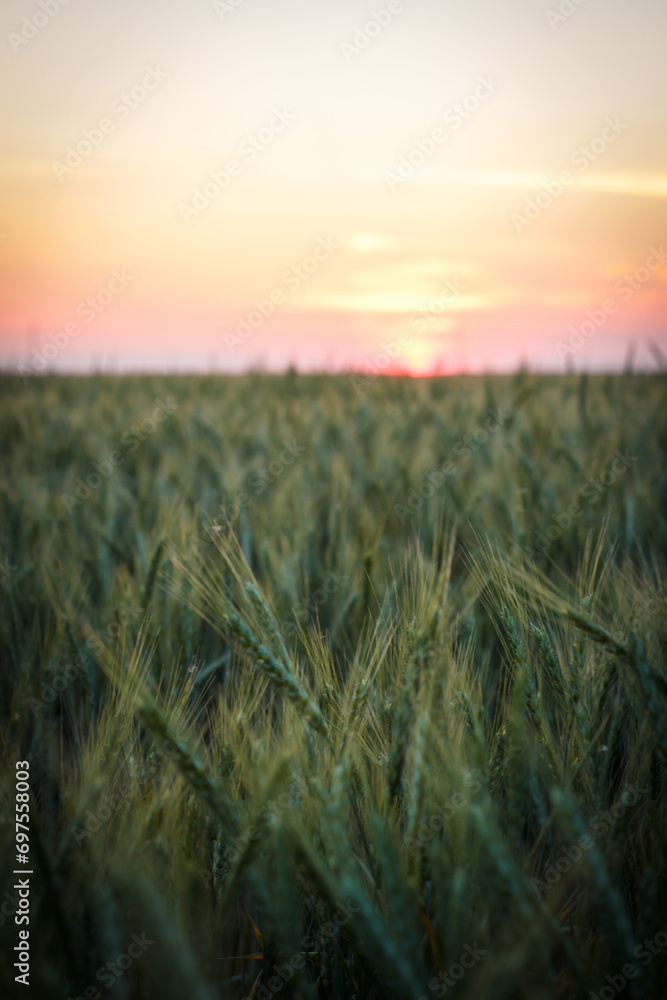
(415, 186)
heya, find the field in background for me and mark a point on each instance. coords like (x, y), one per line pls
(336, 688)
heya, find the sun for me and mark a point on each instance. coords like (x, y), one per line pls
(419, 356)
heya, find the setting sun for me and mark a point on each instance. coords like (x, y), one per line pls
(212, 147)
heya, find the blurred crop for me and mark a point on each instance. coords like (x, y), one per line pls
(334, 688)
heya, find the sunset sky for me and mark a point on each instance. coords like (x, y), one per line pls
(466, 186)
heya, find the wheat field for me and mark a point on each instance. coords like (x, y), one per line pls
(335, 687)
